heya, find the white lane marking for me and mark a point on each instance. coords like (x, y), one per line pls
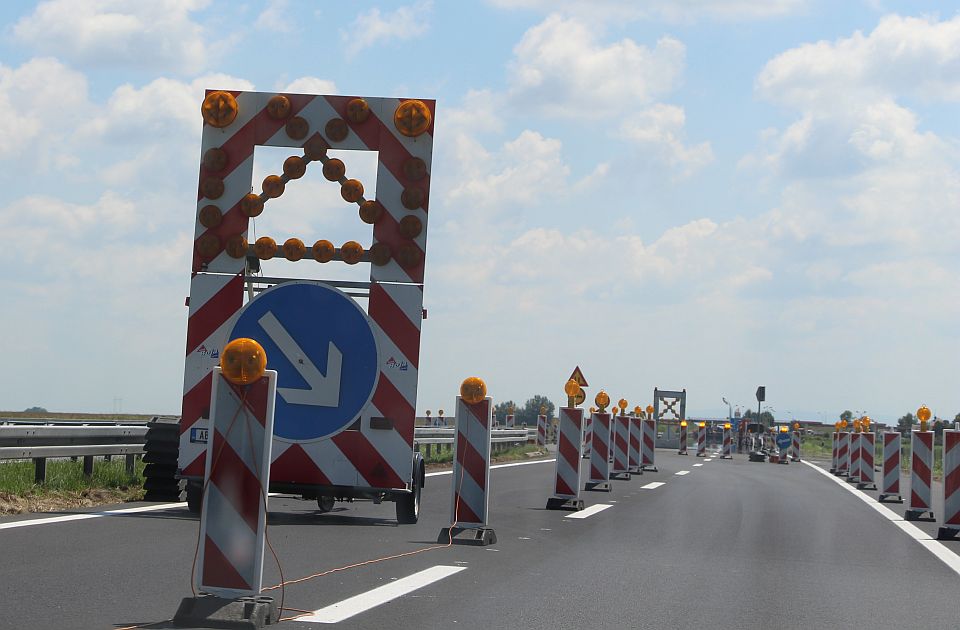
(590, 511)
(352, 606)
(709, 459)
(932, 545)
(653, 485)
(88, 515)
(697, 465)
(510, 465)
(682, 472)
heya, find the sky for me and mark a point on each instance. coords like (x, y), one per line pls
(700, 194)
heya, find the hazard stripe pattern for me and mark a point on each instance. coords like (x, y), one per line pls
(921, 464)
(701, 441)
(683, 440)
(621, 442)
(795, 447)
(951, 478)
(868, 447)
(372, 458)
(648, 444)
(569, 436)
(600, 448)
(636, 435)
(843, 452)
(834, 461)
(853, 472)
(891, 464)
(541, 430)
(471, 464)
(727, 444)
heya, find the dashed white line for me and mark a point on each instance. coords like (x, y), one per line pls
(653, 485)
(935, 547)
(590, 511)
(682, 472)
(335, 613)
(697, 465)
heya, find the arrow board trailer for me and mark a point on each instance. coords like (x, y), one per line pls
(346, 375)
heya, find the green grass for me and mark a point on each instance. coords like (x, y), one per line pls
(518, 452)
(821, 447)
(16, 478)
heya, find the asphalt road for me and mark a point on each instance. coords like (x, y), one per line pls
(731, 544)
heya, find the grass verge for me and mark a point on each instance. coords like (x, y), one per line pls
(66, 486)
(527, 451)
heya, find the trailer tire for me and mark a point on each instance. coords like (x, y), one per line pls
(408, 505)
(194, 497)
(325, 503)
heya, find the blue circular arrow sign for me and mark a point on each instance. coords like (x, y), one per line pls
(322, 346)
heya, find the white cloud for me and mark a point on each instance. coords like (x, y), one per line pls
(561, 69)
(373, 28)
(668, 10)
(660, 128)
(158, 35)
(310, 85)
(277, 17)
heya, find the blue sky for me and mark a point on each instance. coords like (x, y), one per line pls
(676, 193)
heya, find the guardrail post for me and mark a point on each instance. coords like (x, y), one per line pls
(39, 469)
(88, 465)
(131, 464)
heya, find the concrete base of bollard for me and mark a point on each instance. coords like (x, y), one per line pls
(947, 533)
(558, 503)
(915, 515)
(482, 536)
(636, 470)
(598, 486)
(866, 486)
(650, 468)
(210, 611)
(886, 498)
(622, 476)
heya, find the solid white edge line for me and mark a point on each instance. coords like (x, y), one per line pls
(590, 511)
(938, 549)
(653, 485)
(88, 515)
(682, 472)
(352, 606)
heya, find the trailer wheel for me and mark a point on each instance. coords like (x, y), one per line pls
(194, 497)
(408, 505)
(325, 503)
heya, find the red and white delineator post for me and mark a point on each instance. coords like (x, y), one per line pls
(373, 457)
(682, 450)
(951, 485)
(588, 436)
(834, 459)
(648, 445)
(727, 452)
(470, 486)
(511, 422)
(701, 440)
(599, 479)
(795, 447)
(233, 520)
(541, 430)
(891, 468)
(843, 453)
(621, 445)
(868, 447)
(921, 467)
(853, 473)
(566, 486)
(636, 437)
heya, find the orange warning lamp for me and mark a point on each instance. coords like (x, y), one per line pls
(726, 425)
(473, 390)
(701, 424)
(622, 403)
(866, 424)
(219, 109)
(843, 425)
(412, 118)
(784, 429)
(243, 361)
(602, 400)
(856, 425)
(923, 415)
(796, 426)
(650, 410)
(637, 411)
(571, 388)
(683, 423)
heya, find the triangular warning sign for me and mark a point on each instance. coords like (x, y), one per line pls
(578, 377)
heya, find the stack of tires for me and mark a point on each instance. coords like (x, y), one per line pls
(160, 456)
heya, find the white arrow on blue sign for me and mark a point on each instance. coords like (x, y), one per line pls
(783, 440)
(321, 344)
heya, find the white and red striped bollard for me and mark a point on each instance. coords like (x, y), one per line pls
(470, 486)
(701, 441)
(633, 453)
(795, 447)
(921, 465)
(853, 473)
(541, 431)
(727, 452)
(835, 439)
(566, 487)
(843, 452)
(868, 449)
(683, 439)
(233, 519)
(510, 421)
(891, 468)
(621, 446)
(951, 485)
(588, 436)
(600, 453)
(648, 445)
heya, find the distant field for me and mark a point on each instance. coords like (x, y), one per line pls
(23, 415)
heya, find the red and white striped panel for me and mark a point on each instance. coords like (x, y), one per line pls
(621, 444)
(727, 444)
(588, 436)
(701, 441)
(951, 478)
(853, 473)
(600, 448)
(233, 519)
(569, 436)
(378, 458)
(795, 447)
(636, 436)
(868, 448)
(510, 421)
(921, 465)
(682, 450)
(891, 465)
(834, 460)
(470, 496)
(648, 444)
(843, 452)
(541, 430)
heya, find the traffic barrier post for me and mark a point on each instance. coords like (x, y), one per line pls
(795, 447)
(890, 492)
(921, 465)
(599, 479)
(621, 442)
(636, 437)
(566, 486)
(843, 452)
(727, 452)
(588, 436)
(701, 439)
(951, 485)
(648, 444)
(683, 438)
(834, 460)
(541, 431)
(853, 472)
(868, 447)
